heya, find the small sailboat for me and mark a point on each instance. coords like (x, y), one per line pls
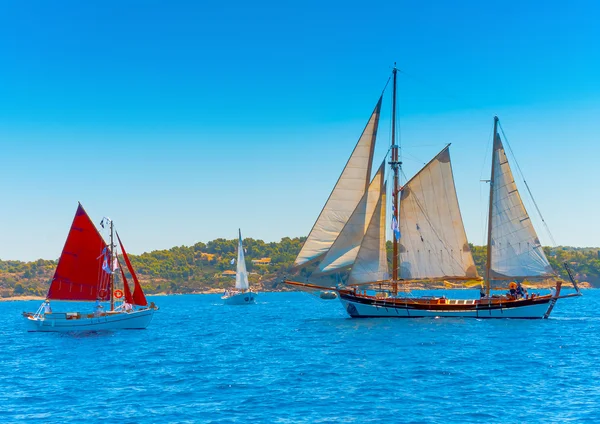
(429, 240)
(86, 273)
(241, 295)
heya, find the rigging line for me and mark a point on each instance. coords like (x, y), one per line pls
(527, 187)
(413, 157)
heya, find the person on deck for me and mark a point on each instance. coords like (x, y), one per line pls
(521, 291)
(47, 308)
(127, 307)
(98, 308)
(512, 290)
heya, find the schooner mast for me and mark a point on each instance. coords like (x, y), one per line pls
(395, 163)
(488, 263)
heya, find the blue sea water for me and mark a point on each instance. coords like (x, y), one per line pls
(294, 358)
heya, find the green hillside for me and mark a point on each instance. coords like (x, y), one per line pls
(198, 268)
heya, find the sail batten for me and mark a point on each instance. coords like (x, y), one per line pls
(345, 248)
(515, 248)
(79, 274)
(433, 241)
(345, 196)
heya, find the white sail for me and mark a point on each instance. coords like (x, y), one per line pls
(371, 260)
(241, 276)
(433, 241)
(346, 194)
(516, 249)
(343, 251)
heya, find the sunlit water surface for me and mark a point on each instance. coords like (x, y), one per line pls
(295, 358)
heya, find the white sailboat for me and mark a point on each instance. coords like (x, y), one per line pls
(241, 295)
(86, 273)
(429, 240)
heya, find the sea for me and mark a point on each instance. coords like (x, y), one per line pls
(294, 358)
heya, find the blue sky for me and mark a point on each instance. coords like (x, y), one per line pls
(183, 121)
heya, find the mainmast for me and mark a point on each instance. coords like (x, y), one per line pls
(112, 274)
(395, 163)
(488, 264)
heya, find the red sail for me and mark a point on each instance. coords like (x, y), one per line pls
(79, 274)
(138, 294)
(126, 290)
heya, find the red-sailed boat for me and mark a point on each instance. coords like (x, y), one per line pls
(86, 273)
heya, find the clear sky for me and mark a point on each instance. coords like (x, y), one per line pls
(184, 120)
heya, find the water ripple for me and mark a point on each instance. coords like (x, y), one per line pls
(294, 359)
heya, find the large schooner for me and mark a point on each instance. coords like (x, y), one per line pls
(429, 240)
(86, 273)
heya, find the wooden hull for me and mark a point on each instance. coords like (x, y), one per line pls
(362, 306)
(245, 298)
(73, 321)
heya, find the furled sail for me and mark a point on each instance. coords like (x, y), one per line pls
(138, 296)
(516, 249)
(433, 241)
(371, 260)
(80, 274)
(346, 194)
(241, 276)
(343, 251)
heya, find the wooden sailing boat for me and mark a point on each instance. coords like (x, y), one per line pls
(241, 295)
(429, 240)
(86, 273)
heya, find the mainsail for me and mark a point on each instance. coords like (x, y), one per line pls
(345, 196)
(344, 250)
(433, 243)
(80, 274)
(371, 259)
(516, 249)
(241, 276)
(138, 297)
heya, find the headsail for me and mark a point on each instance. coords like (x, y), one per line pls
(79, 274)
(516, 249)
(371, 260)
(346, 194)
(241, 276)
(138, 296)
(433, 241)
(343, 251)
(126, 289)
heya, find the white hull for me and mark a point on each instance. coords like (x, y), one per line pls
(362, 310)
(245, 298)
(66, 322)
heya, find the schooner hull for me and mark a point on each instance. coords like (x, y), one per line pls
(369, 307)
(245, 298)
(67, 322)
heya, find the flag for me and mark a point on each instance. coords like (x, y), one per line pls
(115, 263)
(232, 261)
(395, 227)
(105, 266)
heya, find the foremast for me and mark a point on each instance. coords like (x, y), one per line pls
(111, 286)
(395, 164)
(488, 264)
